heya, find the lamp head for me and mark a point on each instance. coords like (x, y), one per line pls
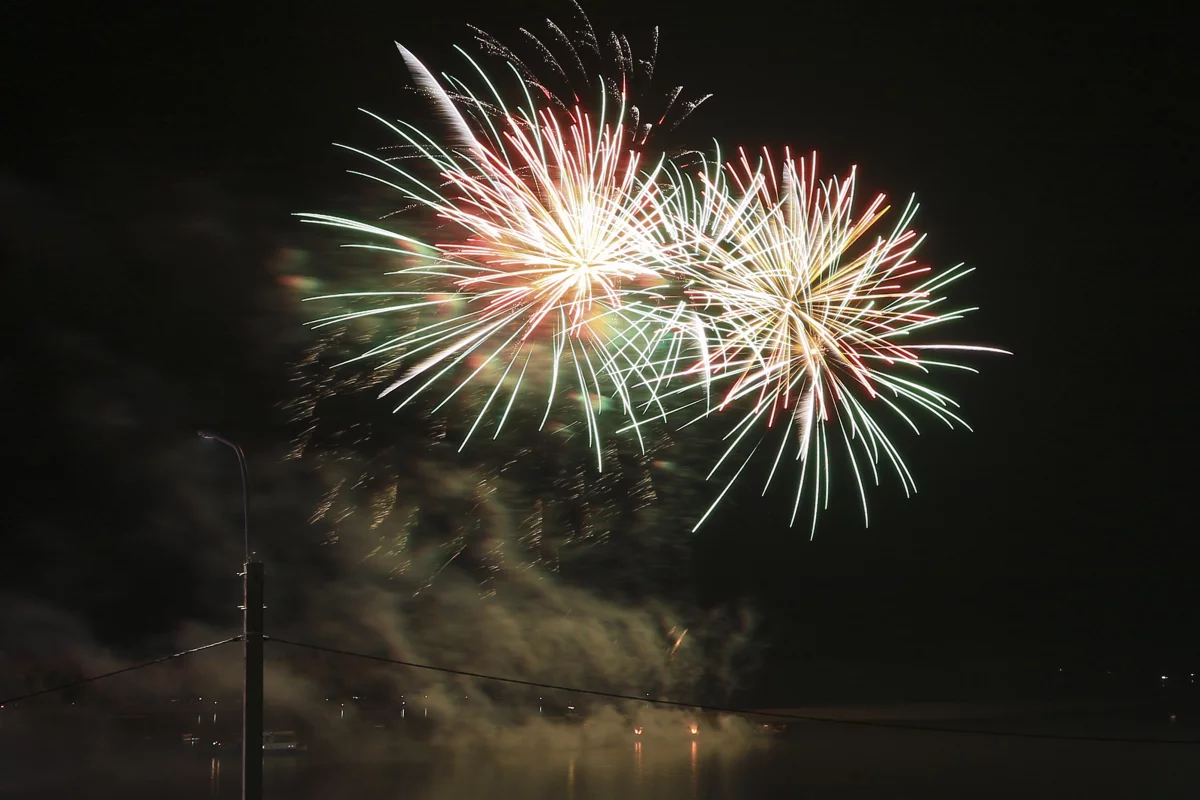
(206, 435)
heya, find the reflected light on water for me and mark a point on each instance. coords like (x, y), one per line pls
(833, 761)
(695, 774)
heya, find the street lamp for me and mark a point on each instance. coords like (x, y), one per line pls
(252, 647)
(245, 492)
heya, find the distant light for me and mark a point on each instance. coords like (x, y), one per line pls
(1164, 677)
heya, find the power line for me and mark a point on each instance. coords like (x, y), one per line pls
(118, 671)
(723, 709)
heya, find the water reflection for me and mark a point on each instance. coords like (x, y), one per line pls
(917, 764)
(695, 773)
(661, 769)
(666, 764)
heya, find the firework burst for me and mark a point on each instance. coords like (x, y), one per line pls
(814, 320)
(552, 249)
(568, 266)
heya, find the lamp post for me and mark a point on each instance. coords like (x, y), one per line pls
(252, 646)
(245, 492)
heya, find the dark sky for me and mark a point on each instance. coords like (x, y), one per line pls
(1053, 150)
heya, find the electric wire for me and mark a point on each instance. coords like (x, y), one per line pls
(93, 678)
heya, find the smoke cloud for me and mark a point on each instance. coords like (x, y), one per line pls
(180, 312)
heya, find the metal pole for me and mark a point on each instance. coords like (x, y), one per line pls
(245, 501)
(252, 684)
(252, 645)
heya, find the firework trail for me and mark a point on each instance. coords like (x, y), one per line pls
(566, 63)
(553, 247)
(400, 496)
(812, 324)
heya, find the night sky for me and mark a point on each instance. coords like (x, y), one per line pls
(154, 157)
